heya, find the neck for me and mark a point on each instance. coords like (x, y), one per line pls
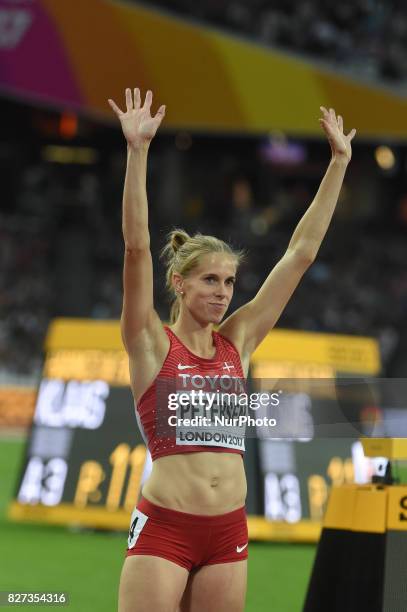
(195, 336)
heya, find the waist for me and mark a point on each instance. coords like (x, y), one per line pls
(184, 518)
(199, 483)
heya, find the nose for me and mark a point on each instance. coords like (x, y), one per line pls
(220, 292)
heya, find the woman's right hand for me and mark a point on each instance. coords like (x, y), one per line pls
(138, 126)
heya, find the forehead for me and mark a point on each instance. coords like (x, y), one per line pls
(216, 263)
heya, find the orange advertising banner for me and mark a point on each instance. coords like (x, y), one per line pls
(76, 55)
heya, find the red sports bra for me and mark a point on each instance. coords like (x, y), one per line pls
(186, 388)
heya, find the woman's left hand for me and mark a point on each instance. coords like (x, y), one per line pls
(333, 127)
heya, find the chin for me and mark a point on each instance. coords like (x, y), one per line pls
(212, 320)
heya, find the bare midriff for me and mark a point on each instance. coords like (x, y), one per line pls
(198, 483)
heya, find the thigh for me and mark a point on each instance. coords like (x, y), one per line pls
(220, 587)
(151, 583)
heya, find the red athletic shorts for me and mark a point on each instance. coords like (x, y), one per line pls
(190, 540)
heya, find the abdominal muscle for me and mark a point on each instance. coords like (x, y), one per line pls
(198, 483)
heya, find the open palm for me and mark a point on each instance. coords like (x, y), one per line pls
(138, 125)
(333, 127)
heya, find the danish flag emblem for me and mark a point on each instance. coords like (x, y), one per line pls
(228, 366)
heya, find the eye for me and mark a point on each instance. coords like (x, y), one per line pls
(210, 278)
(231, 281)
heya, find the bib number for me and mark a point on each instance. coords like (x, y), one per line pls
(137, 522)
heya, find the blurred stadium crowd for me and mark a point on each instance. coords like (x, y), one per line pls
(367, 37)
(61, 247)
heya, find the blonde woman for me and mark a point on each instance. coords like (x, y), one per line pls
(188, 545)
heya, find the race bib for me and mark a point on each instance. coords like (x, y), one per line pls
(137, 522)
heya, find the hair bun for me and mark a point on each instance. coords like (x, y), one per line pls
(177, 238)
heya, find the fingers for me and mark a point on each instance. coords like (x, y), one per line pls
(136, 103)
(351, 134)
(137, 98)
(330, 116)
(148, 100)
(324, 111)
(130, 104)
(129, 101)
(325, 121)
(115, 108)
(160, 113)
(325, 125)
(328, 128)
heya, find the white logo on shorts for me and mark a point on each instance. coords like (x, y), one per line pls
(137, 522)
(239, 549)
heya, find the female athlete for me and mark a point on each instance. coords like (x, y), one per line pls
(188, 543)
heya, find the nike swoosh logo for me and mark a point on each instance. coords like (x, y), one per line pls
(240, 548)
(184, 367)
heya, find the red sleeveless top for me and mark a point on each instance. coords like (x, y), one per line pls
(182, 375)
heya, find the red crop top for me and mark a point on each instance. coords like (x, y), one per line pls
(183, 374)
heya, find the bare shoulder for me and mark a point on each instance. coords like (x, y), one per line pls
(147, 354)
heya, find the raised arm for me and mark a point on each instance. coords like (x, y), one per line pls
(249, 325)
(139, 128)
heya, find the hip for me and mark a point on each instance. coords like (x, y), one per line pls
(189, 540)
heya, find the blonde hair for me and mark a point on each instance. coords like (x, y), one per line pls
(182, 254)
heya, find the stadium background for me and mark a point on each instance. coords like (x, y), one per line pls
(240, 156)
